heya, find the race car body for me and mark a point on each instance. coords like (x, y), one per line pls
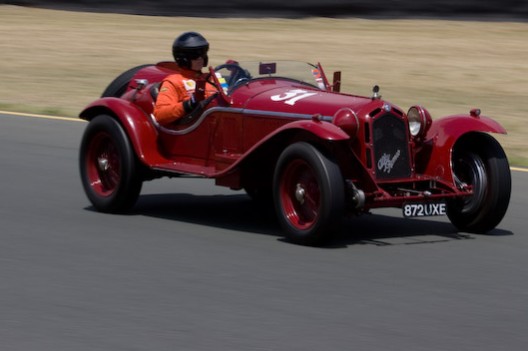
(286, 135)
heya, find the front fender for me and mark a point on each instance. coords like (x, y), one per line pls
(443, 135)
(447, 130)
(140, 130)
(276, 141)
(321, 129)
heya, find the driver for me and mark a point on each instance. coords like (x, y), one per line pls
(177, 96)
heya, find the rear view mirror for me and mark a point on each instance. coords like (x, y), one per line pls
(267, 68)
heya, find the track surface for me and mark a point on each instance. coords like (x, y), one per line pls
(197, 267)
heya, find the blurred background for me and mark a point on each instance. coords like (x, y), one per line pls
(447, 55)
(495, 8)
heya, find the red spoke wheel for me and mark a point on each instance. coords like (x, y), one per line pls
(308, 194)
(103, 164)
(108, 166)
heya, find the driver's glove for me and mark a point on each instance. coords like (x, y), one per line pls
(190, 104)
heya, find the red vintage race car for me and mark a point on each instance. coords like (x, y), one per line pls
(286, 135)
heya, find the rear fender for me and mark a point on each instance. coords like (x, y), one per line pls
(443, 135)
(140, 130)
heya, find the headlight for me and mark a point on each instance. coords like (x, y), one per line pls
(347, 120)
(419, 121)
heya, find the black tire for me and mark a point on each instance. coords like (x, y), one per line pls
(119, 85)
(480, 162)
(108, 166)
(308, 191)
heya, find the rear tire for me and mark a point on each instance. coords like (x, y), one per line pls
(109, 169)
(308, 192)
(482, 164)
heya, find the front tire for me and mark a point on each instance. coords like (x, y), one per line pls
(308, 191)
(108, 166)
(481, 164)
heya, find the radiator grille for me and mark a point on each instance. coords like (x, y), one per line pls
(391, 148)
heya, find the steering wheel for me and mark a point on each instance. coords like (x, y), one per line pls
(238, 74)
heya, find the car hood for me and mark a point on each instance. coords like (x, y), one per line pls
(305, 100)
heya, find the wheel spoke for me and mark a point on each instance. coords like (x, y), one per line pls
(104, 167)
(471, 172)
(302, 202)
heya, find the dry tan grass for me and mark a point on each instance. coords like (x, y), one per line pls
(58, 61)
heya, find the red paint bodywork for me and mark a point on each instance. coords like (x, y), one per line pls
(239, 136)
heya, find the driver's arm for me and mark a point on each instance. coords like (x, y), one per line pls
(173, 102)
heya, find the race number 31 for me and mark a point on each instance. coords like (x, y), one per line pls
(292, 96)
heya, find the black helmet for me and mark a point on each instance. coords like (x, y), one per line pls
(189, 46)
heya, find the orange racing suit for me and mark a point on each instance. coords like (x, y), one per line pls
(175, 94)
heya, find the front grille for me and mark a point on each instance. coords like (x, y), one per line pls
(391, 148)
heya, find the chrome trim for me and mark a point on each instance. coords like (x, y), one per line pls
(141, 83)
(195, 124)
(285, 114)
(232, 110)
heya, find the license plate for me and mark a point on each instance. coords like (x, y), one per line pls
(424, 209)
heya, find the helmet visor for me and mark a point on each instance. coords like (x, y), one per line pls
(196, 53)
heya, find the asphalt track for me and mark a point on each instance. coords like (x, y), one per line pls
(198, 267)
